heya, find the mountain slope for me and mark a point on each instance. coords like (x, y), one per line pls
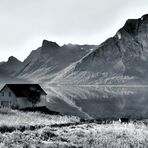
(42, 64)
(11, 67)
(122, 59)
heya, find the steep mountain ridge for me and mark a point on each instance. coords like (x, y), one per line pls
(11, 67)
(43, 64)
(122, 59)
(8, 71)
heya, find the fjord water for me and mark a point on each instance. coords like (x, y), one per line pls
(99, 101)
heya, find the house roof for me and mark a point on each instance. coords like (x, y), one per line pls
(24, 90)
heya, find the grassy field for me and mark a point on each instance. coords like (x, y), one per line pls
(35, 130)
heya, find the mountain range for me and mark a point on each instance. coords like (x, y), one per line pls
(121, 59)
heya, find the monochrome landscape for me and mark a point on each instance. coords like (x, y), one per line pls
(90, 87)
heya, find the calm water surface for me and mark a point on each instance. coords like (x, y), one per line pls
(99, 101)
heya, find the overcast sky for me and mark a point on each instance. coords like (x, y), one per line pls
(25, 23)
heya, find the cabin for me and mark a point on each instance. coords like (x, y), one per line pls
(22, 95)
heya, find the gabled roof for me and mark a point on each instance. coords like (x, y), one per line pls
(24, 90)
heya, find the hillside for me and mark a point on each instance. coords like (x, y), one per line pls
(43, 64)
(122, 59)
(11, 67)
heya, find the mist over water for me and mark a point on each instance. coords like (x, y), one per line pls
(99, 101)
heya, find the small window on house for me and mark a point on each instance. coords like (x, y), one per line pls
(2, 93)
(9, 94)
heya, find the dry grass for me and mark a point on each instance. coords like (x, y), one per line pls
(87, 135)
(17, 118)
(109, 135)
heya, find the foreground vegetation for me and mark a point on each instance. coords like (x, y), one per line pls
(35, 130)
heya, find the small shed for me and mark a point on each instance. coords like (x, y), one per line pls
(22, 96)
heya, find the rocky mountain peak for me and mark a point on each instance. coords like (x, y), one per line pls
(48, 46)
(12, 59)
(132, 26)
(144, 17)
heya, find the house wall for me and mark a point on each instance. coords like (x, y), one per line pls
(23, 102)
(11, 99)
(43, 101)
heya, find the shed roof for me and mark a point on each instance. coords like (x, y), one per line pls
(24, 90)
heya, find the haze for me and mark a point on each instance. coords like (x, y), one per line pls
(24, 23)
